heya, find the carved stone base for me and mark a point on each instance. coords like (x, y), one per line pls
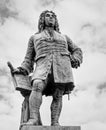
(27, 127)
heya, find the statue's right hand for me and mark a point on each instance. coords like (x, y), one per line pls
(16, 71)
(20, 70)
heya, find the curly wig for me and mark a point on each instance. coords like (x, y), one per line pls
(41, 22)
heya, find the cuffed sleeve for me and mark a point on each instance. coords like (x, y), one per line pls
(28, 62)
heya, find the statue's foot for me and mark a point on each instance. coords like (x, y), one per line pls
(55, 124)
(31, 122)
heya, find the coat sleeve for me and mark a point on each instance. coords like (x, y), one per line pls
(75, 53)
(28, 62)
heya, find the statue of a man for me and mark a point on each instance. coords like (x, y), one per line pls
(54, 55)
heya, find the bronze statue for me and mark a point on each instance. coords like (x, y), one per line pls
(54, 56)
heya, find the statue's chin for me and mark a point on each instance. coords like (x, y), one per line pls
(51, 24)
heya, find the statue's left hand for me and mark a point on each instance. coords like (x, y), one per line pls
(74, 62)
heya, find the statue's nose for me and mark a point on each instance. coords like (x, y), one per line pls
(51, 16)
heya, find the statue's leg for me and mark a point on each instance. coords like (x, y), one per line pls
(35, 101)
(56, 107)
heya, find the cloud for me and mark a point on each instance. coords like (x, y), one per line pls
(102, 87)
(10, 115)
(92, 71)
(13, 40)
(6, 10)
(92, 37)
(48, 2)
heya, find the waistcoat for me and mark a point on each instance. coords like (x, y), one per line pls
(44, 44)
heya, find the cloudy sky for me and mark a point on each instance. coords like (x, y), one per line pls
(84, 21)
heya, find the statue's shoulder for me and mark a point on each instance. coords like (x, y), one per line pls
(36, 35)
(68, 39)
(58, 34)
(61, 36)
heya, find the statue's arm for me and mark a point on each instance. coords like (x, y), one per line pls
(75, 53)
(28, 62)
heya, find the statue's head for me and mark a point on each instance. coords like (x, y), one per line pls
(48, 18)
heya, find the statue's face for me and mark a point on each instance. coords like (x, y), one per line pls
(49, 19)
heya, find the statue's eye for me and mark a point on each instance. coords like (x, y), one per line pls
(47, 15)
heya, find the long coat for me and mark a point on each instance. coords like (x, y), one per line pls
(47, 51)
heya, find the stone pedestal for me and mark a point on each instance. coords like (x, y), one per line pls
(27, 127)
